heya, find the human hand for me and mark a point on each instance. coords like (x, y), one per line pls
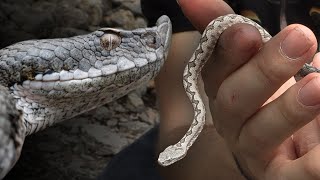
(270, 132)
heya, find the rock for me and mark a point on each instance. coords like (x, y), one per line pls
(68, 16)
(140, 22)
(141, 91)
(61, 32)
(13, 35)
(50, 148)
(105, 136)
(123, 120)
(133, 6)
(112, 123)
(118, 107)
(134, 127)
(104, 152)
(121, 18)
(150, 116)
(34, 21)
(136, 102)
(94, 9)
(2, 17)
(102, 113)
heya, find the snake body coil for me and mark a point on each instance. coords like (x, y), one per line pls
(208, 41)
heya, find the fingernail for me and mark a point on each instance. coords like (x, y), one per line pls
(295, 44)
(309, 94)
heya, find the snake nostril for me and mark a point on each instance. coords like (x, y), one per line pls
(110, 41)
(151, 40)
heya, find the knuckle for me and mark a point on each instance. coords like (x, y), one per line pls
(223, 107)
(291, 112)
(312, 165)
(273, 67)
(227, 98)
(286, 116)
(216, 120)
(250, 141)
(269, 76)
(226, 110)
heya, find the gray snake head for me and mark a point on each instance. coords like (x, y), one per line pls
(51, 80)
(171, 154)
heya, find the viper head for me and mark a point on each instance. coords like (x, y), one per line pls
(171, 155)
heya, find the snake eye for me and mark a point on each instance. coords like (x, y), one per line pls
(110, 41)
(151, 40)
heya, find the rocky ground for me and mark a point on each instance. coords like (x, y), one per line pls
(80, 148)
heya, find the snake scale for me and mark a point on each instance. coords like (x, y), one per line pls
(208, 41)
(46, 81)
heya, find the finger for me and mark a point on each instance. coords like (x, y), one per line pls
(201, 12)
(316, 60)
(286, 85)
(284, 154)
(244, 92)
(281, 90)
(235, 47)
(308, 137)
(307, 167)
(276, 121)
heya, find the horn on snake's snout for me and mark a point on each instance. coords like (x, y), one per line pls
(12, 132)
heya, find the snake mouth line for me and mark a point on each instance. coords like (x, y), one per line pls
(49, 81)
(76, 74)
(56, 88)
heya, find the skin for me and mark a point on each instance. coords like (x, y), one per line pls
(261, 117)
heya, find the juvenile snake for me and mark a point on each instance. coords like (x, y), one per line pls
(43, 82)
(208, 41)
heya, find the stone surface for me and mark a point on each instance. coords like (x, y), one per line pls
(78, 149)
(123, 18)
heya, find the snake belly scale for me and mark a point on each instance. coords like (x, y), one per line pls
(208, 41)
